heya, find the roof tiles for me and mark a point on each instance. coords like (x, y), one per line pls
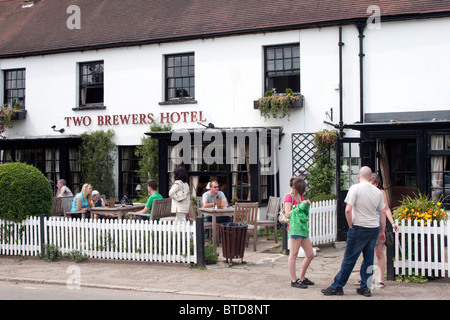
(42, 28)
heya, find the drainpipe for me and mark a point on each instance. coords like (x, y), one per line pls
(341, 117)
(361, 25)
(341, 221)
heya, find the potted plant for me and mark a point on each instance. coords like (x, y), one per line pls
(420, 208)
(7, 114)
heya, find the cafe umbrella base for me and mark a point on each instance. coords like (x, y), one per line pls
(234, 236)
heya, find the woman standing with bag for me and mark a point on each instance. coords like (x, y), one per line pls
(297, 210)
(179, 192)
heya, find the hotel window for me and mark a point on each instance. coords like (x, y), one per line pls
(14, 87)
(282, 68)
(91, 84)
(129, 173)
(440, 167)
(180, 78)
(74, 174)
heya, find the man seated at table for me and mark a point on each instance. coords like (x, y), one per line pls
(209, 199)
(152, 187)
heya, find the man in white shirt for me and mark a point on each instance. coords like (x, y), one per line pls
(363, 201)
(208, 201)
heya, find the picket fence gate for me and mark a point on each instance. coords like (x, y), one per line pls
(164, 241)
(323, 222)
(421, 249)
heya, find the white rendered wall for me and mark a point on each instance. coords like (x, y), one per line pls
(406, 68)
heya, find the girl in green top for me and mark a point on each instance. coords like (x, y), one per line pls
(299, 234)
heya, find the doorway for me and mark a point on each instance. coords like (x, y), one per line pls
(403, 179)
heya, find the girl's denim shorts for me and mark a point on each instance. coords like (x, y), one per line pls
(297, 237)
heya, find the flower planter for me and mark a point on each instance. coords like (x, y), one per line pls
(278, 106)
(22, 115)
(296, 104)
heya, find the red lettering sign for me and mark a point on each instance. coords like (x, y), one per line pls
(136, 119)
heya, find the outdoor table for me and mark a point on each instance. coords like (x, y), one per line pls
(229, 211)
(119, 210)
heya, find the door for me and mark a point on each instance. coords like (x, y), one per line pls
(353, 153)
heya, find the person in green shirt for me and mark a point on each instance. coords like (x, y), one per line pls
(299, 234)
(152, 187)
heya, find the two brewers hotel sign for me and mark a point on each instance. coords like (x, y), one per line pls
(135, 119)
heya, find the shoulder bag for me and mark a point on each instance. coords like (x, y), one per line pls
(282, 215)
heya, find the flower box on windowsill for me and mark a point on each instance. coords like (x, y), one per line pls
(297, 101)
(21, 115)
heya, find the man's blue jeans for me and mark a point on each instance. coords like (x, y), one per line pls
(359, 239)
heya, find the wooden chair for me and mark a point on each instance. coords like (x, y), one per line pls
(247, 213)
(206, 225)
(192, 212)
(58, 209)
(273, 209)
(67, 206)
(161, 209)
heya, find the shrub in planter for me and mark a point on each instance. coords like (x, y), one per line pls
(24, 192)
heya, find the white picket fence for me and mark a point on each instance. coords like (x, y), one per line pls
(20, 238)
(163, 241)
(421, 249)
(323, 222)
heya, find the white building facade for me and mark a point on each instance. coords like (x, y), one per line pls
(388, 72)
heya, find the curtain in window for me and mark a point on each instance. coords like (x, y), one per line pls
(126, 164)
(194, 184)
(5, 156)
(438, 163)
(74, 169)
(385, 171)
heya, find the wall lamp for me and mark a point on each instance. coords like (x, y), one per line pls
(210, 125)
(60, 130)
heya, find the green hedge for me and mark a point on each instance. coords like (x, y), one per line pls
(24, 192)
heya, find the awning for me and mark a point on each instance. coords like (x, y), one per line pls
(402, 125)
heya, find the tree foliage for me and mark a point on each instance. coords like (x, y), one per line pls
(24, 192)
(96, 157)
(148, 152)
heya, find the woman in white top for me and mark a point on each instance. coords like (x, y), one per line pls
(179, 192)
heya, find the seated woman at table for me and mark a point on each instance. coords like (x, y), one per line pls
(209, 199)
(83, 201)
(97, 201)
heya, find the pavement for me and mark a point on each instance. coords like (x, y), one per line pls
(262, 276)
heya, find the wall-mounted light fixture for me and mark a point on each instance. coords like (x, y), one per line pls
(60, 130)
(210, 125)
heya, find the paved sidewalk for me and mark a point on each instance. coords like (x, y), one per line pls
(263, 276)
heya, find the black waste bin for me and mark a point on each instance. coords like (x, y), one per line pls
(234, 236)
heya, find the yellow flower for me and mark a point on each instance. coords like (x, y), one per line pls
(439, 204)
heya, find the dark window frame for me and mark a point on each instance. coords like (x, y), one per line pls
(93, 85)
(284, 66)
(129, 174)
(14, 87)
(179, 78)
